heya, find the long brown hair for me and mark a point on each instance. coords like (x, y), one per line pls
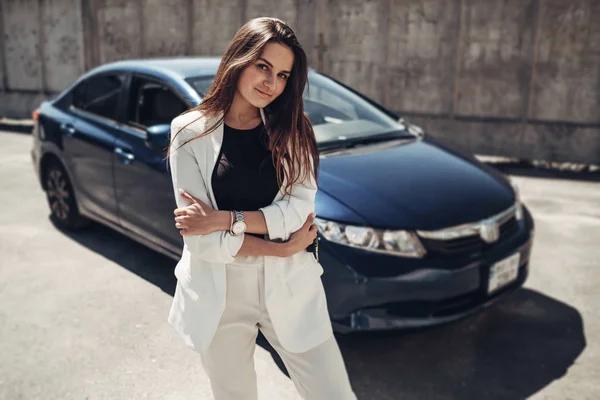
(291, 136)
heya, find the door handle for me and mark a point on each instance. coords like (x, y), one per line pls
(126, 157)
(67, 129)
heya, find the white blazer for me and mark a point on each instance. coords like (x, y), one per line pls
(294, 294)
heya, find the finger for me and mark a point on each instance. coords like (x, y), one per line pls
(180, 211)
(181, 218)
(309, 220)
(185, 195)
(183, 232)
(179, 225)
(190, 198)
(313, 235)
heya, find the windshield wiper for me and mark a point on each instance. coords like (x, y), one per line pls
(365, 140)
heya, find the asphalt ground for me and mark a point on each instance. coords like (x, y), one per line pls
(84, 316)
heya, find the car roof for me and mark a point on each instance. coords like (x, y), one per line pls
(182, 67)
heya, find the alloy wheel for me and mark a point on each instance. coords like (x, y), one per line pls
(58, 194)
(61, 199)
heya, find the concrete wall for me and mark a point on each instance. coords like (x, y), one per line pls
(566, 82)
(507, 77)
(422, 56)
(22, 49)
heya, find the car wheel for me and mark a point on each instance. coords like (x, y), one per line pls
(61, 199)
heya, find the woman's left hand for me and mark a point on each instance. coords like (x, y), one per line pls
(198, 218)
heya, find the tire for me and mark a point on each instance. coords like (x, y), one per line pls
(64, 211)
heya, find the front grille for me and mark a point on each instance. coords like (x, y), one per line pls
(469, 241)
(470, 244)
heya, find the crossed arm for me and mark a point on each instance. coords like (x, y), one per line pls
(279, 220)
(200, 218)
(255, 220)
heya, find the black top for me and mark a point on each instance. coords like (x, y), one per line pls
(244, 177)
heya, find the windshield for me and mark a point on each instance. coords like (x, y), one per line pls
(335, 112)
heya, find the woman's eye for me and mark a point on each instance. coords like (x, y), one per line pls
(265, 67)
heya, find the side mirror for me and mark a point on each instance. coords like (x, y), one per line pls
(157, 136)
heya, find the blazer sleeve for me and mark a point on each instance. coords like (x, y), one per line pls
(216, 247)
(286, 216)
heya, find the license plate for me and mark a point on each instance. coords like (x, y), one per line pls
(503, 272)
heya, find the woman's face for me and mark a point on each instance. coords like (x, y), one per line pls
(264, 80)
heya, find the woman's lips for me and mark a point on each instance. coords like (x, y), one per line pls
(263, 94)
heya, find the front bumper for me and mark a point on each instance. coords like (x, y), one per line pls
(423, 296)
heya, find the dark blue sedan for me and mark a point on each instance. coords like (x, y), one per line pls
(412, 233)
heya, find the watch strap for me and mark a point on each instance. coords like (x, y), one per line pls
(239, 216)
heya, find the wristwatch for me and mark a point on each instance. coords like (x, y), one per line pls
(239, 226)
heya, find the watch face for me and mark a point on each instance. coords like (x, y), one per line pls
(239, 227)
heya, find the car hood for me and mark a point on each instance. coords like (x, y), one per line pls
(420, 184)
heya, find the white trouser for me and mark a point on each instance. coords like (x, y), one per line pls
(318, 374)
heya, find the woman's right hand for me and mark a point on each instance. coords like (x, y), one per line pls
(302, 238)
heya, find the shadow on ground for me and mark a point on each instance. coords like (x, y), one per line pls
(26, 128)
(509, 351)
(147, 264)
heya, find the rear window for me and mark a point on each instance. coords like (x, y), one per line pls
(99, 95)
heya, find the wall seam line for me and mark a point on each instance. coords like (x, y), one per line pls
(386, 65)
(42, 47)
(3, 49)
(534, 57)
(457, 56)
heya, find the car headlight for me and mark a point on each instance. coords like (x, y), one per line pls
(518, 204)
(398, 243)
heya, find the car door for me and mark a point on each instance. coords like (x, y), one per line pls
(143, 184)
(88, 142)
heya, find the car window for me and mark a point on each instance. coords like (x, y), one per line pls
(99, 95)
(201, 84)
(331, 106)
(151, 102)
(335, 111)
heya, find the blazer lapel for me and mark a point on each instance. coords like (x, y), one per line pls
(262, 116)
(210, 152)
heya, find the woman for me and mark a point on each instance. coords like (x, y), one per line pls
(244, 168)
